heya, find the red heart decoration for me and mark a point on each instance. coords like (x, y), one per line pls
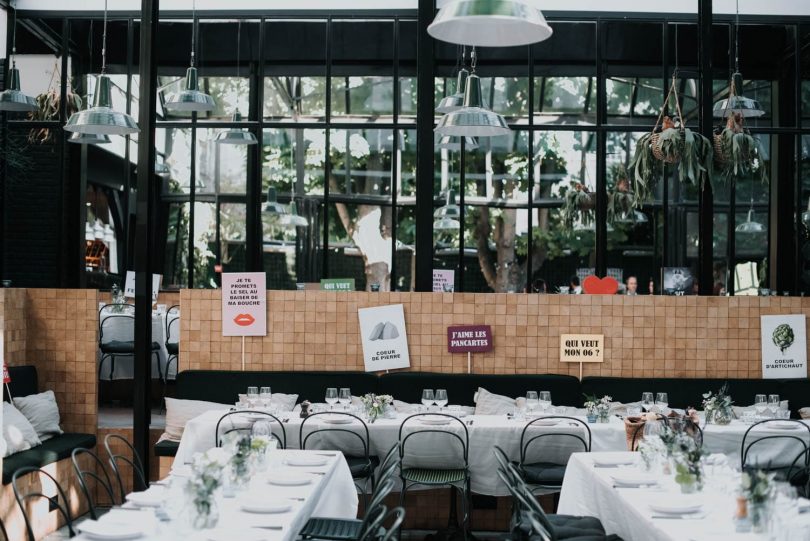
(594, 285)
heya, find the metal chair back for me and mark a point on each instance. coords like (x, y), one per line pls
(554, 432)
(639, 431)
(116, 323)
(462, 439)
(59, 502)
(132, 460)
(173, 325)
(395, 516)
(101, 479)
(360, 433)
(526, 505)
(248, 426)
(798, 438)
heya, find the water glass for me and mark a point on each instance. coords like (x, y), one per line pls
(331, 396)
(427, 397)
(760, 404)
(441, 397)
(252, 396)
(544, 397)
(661, 400)
(647, 400)
(773, 403)
(345, 397)
(265, 395)
(531, 401)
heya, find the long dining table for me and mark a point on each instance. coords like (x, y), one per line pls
(484, 432)
(163, 514)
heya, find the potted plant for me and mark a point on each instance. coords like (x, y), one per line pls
(757, 487)
(687, 455)
(718, 407)
(597, 408)
(376, 404)
(48, 105)
(736, 152)
(207, 473)
(620, 203)
(577, 202)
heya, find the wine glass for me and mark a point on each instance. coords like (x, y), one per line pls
(252, 396)
(760, 404)
(773, 403)
(427, 398)
(441, 398)
(531, 400)
(265, 396)
(661, 400)
(331, 397)
(647, 400)
(545, 400)
(345, 397)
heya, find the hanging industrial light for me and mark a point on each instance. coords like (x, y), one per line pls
(490, 23)
(455, 101)
(191, 99)
(12, 99)
(737, 103)
(472, 120)
(273, 207)
(162, 169)
(88, 139)
(237, 136)
(101, 118)
(448, 217)
(454, 143)
(293, 219)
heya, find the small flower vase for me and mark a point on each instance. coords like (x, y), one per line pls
(204, 512)
(688, 483)
(722, 416)
(758, 515)
(372, 413)
(604, 416)
(591, 416)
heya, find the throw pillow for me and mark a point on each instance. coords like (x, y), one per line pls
(487, 403)
(18, 433)
(179, 412)
(42, 412)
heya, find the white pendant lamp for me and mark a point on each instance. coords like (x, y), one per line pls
(455, 101)
(273, 208)
(237, 136)
(88, 139)
(191, 99)
(453, 144)
(101, 118)
(293, 219)
(12, 99)
(448, 217)
(472, 120)
(490, 23)
(736, 102)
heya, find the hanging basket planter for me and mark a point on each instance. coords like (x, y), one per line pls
(736, 152)
(579, 203)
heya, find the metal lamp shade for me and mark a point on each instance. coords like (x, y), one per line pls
(101, 118)
(448, 217)
(446, 224)
(490, 23)
(750, 226)
(88, 139)
(747, 107)
(454, 102)
(473, 120)
(236, 136)
(12, 99)
(454, 143)
(191, 99)
(273, 207)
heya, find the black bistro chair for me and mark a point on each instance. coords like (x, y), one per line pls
(638, 433)
(131, 459)
(172, 338)
(792, 464)
(362, 466)
(547, 473)
(59, 502)
(116, 335)
(236, 422)
(102, 480)
(456, 476)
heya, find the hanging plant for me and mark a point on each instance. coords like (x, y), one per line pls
(620, 201)
(578, 202)
(670, 142)
(48, 106)
(736, 152)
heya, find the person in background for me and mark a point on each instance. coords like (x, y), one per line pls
(651, 287)
(573, 285)
(539, 286)
(631, 287)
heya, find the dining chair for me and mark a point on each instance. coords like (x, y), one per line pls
(172, 338)
(793, 463)
(455, 475)
(131, 459)
(361, 467)
(116, 335)
(335, 529)
(58, 502)
(547, 473)
(102, 479)
(247, 425)
(396, 516)
(638, 433)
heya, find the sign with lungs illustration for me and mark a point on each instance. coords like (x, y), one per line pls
(244, 304)
(385, 343)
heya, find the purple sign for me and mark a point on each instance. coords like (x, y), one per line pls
(469, 338)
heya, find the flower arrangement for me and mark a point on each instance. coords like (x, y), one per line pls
(240, 459)
(652, 450)
(757, 485)
(207, 476)
(718, 406)
(599, 407)
(376, 404)
(687, 455)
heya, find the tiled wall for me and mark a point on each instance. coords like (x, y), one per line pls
(312, 330)
(13, 325)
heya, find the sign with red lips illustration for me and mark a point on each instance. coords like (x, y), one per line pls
(244, 304)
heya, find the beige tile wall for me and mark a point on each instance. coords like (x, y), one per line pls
(13, 324)
(689, 337)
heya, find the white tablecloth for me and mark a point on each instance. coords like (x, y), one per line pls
(330, 495)
(124, 368)
(588, 491)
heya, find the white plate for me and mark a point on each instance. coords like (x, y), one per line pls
(435, 421)
(674, 505)
(252, 417)
(109, 530)
(782, 425)
(337, 420)
(615, 459)
(255, 504)
(545, 422)
(633, 478)
(306, 461)
(148, 498)
(288, 479)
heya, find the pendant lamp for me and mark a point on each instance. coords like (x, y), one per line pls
(101, 118)
(472, 120)
(737, 103)
(293, 219)
(237, 136)
(453, 144)
(12, 99)
(490, 23)
(191, 99)
(454, 102)
(448, 217)
(273, 207)
(88, 139)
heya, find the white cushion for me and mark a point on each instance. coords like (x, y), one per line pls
(42, 412)
(804, 413)
(487, 403)
(18, 433)
(179, 412)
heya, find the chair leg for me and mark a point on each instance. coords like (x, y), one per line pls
(160, 370)
(402, 504)
(467, 520)
(112, 366)
(101, 365)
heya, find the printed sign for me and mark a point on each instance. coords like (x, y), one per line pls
(582, 348)
(385, 342)
(444, 280)
(338, 284)
(129, 285)
(784, 346)
(244, 304)
(469, 339)
(677, 281)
